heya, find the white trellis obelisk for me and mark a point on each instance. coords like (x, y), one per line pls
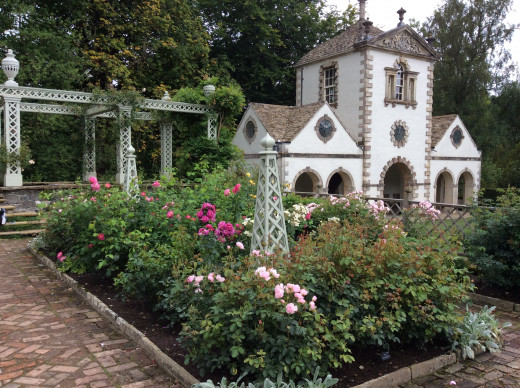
(130, 183)
(269, 233)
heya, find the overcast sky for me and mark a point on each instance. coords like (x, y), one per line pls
(384, 15)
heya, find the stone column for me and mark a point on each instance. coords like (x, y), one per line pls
(269, 233)
(166, 149)
(89, 150)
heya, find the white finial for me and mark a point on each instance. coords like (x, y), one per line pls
(166, 96)
(208, 90)
(267, 142)
(10, 66)
(130, 150)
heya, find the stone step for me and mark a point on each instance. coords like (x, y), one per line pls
(17, 223)
(22, 214)
(31, 232)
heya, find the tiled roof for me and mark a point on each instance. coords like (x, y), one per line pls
(440, 125)
(284, 122)
(339, 44)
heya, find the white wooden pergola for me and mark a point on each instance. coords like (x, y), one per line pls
(12, 96)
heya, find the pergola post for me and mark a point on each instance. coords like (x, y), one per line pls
(212, 127)
(125, 141)
(166, 148)
(269, 232)
(89, 151)
(13, 171)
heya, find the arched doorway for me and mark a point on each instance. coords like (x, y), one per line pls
(340, 183)
(444, 188)
(396, 178)
(307, 182)
(465, 188)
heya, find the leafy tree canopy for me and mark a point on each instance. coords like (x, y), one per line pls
(257, 42)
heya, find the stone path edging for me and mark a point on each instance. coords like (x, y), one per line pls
(502, 305)
(161, 359)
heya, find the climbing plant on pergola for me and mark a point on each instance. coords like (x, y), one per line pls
(94, 106)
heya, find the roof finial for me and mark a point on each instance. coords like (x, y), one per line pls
(401, 12)
(362, 9)
(367, 24)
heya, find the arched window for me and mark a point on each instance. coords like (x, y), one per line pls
(400, 84)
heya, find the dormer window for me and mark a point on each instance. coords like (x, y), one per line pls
(329, 83)
(400, 84)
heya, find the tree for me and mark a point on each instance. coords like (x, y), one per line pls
(258, 42)
(152, 45)
(469, 38)
(473, 65)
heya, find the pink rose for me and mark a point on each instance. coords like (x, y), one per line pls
(211, 277)
(61, 257)
(278, 291)
(236, 189)
(92, 179)
(190, 278)
(101, 236)
(198, 279)
(169, 214)
(308, 216)
(95, 186)
(220, 278)
(227, 192)
(107, 185)
(291, 308)
(312, 306)
(156, 184)
(143, 194)
(240, 245)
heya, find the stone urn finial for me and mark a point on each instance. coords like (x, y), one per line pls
(10, 66)
(401, 13)
(208, 90)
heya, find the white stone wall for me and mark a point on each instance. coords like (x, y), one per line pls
(383, 117)
(457, 160)
(348, 88)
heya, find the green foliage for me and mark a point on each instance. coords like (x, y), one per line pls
(242, 326)
(400, 289)
(473, 66)
(478, 331)
(316, 382)
(258, 42)
(493, 245)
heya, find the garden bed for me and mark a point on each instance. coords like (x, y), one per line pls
(367, 366)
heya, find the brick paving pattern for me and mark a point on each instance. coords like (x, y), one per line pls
(51, 338)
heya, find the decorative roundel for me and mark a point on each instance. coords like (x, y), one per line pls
(457, 136)
(250, 130)
(399, 133)
(325, 128)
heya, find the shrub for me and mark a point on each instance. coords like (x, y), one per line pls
(493, 245)
(255, 322)
(478, 331)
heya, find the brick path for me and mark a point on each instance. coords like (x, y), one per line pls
(51, 338)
